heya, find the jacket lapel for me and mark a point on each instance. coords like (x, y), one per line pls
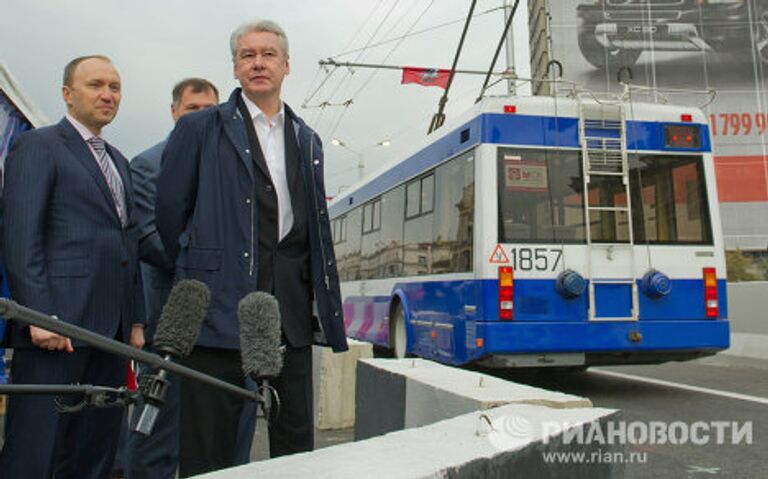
(234, 128)
(79, 149)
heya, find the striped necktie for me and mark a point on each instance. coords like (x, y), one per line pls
(114, 182)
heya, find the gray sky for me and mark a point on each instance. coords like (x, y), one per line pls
(155, 43)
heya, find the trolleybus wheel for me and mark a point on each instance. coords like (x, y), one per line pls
(398, 336)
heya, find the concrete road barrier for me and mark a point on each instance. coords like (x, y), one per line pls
(513, 441)
(334, 384)
(747, 304)
(399, 394)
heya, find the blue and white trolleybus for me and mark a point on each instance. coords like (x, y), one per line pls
(537, 231)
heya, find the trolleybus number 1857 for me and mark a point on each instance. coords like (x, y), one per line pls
(539, 259)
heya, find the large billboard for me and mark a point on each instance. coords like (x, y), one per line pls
(719, 45)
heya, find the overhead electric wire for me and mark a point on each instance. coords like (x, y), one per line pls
(386, 57)
(413, 34)
(376, 31)
(373, 74)
(412, 5)
(351, 40)
(348, 73)
(362, 26)
(378, 44)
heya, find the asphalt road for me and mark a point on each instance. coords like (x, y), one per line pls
(646, 401)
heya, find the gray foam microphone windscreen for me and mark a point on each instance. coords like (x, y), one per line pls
(260, 347)
(182, 317)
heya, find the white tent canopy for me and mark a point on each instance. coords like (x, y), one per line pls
(10, 87)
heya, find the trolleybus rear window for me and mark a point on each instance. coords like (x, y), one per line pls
(541, 199)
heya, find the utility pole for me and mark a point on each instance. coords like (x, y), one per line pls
(512, 74)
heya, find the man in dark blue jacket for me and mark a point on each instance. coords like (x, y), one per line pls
(156, 456)
(241, 206)
(71, 251)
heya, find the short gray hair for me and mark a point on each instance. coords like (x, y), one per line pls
(256, 27)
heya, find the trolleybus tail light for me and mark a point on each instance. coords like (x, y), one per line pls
(711, 304)
(510, 109)
(506, 303)
(686, 117)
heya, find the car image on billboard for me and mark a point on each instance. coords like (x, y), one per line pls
(614, 33)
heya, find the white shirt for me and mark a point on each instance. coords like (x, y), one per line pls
(271, 136)
(87, 135)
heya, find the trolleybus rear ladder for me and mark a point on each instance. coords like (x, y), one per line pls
(602, 134)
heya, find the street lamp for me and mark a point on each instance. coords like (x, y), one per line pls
(359, 154)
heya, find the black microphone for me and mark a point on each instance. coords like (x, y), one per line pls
(260, 346)
(176, 333)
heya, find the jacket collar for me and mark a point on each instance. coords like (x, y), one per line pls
(234, 127)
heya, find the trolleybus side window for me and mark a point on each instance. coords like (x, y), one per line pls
(372, 216)
(339, 229)
(454, 216)
(417, 237)
(387, 238)
(427, 194)
(390, 247)
(419, 196)
(348, 252)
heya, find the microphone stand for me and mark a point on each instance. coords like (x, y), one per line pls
(153, 388)
(269, 400)
(12, 310)
(93, 396)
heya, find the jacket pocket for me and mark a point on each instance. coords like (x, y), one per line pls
(205, 259)
(71, 267)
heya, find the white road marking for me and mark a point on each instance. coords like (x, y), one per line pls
(687, 387)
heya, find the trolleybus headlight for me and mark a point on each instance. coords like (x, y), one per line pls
(656, 284)
(570, 283)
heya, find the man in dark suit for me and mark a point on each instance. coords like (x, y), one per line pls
(241, 206)
(70, 251)
(156, 456)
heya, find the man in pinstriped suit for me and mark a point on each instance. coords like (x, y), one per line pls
(71, 251)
